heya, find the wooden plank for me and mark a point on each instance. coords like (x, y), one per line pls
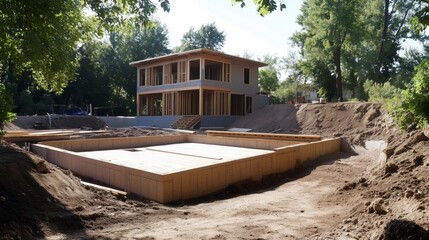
(286, 137)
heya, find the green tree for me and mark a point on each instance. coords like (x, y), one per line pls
(268, 79)
(269, 76)
(410, 110)
(140, 43)
(106, 63)
(207, 36)
(329, 27)
(42, 36)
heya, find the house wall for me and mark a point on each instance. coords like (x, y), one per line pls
(147, 121)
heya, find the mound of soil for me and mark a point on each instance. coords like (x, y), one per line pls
(40, 200)
(392, 200)
(353, 121)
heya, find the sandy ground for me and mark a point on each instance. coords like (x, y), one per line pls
(341, 196)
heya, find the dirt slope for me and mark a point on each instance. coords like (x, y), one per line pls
(354, 121)
(343, 196)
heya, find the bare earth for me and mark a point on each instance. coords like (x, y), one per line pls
(342, 196)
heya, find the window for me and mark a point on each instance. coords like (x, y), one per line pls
(213, 70)
(174, 72)
(142, 77)
(194, 69)
(246, 76)
(226, 72)
(158, 75)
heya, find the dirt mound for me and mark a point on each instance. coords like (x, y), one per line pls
(393, 195)
(40, 200)
(55, 122)
(354, 121)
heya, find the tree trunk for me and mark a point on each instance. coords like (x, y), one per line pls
(382, 52)
(338, 74)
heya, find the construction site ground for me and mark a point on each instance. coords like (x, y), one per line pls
(353, 194)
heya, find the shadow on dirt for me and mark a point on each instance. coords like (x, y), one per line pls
(403, 229)
(268, 183)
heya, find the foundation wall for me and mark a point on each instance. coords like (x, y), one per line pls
(185, 184)
(81, 145)
(241, 142)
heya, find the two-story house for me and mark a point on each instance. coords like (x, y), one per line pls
(198, 82)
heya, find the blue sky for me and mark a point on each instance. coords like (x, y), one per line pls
(245, 30)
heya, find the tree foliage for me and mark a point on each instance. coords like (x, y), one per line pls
(264, 7)
(106, 63)
(329, 28)
(269, 76)
(207, 36)
(6, 107)
(39, 39)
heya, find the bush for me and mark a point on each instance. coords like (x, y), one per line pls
(378, 92)
(411, 111)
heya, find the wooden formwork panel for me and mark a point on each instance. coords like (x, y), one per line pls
(272, 136)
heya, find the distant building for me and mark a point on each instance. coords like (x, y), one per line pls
(198, 82)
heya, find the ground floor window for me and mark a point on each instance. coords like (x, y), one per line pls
(150, 105)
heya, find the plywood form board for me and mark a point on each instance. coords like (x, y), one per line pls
(240, 142)
(252, 135)
(115, 143)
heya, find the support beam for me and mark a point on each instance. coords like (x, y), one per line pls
(200, 107)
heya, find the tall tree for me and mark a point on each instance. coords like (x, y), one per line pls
(207, 36)
(106, 63)
(395, 27)
(328, 27)
(42, 36)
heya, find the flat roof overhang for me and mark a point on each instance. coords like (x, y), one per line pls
(195, 52)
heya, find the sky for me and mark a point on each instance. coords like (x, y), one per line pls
(246, 31)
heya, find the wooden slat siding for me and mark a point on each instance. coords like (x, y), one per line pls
(287, 137)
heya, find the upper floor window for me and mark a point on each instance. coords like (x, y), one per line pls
(194, 69)
(158, 75)
(142, 77)
(212, 70)
(246, 76)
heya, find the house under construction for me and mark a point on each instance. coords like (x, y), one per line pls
(198, 82)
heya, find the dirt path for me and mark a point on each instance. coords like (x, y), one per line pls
(297, 208)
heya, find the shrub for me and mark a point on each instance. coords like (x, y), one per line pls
(410, 109)
(378, 92)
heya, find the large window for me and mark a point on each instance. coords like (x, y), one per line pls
(246, 76)
(213, 70)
